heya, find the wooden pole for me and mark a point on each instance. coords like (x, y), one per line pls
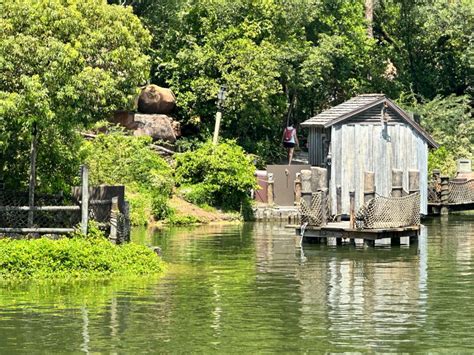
(270, 188)
(339, 202)
(32, 184)
(444, 194)
(324, 204)
(413, 181)
(369, 186)
(352, 209)
(84, 198)
(217, 127)
(397, 183)
(114, 211)
(318, 178)
(298, 189)
(306, 186)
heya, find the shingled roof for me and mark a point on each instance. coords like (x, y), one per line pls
(357, 105)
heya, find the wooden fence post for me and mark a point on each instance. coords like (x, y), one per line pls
(32, 183)
(444, 194)
(413, 181)
(339, 202)
(114, 212)
(84, 198)
(270, 186)
(397, 182)
(369, 186)
(352, 209)
(298, 189)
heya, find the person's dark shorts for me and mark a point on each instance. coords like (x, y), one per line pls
(288, 145)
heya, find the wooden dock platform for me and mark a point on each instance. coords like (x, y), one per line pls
(339, 233)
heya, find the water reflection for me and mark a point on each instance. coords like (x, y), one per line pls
(253, 288)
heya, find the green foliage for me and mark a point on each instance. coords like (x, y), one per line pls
(63, 65)
(449, 121)
(74, 258)
(126, 160)
(220, 175)
(182, 220)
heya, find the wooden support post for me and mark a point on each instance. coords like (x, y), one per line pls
(444, 194)
(319, 178)
(332, 241)
(217, 127)
(397, 183)
(413, 181)
(306, 186)
(84, 198)
(324, 205)
(32, 183)
(339, 202)
(359, 242)
(298, 189)
(369, 186)
(114, 212)
(352, 209)
(270, 186)
(404, 240)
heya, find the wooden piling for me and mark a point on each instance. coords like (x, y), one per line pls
(338, 202)
(352, 209)
(114, 212)
(84, 198)
(298, 189)
(319, 178)
(324, 205)
(413, 181)
(369, 186)
(444, 194)
(306, 186)
(397, 183)
(270, 189)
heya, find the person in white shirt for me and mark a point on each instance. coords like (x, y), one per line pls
(290, 140)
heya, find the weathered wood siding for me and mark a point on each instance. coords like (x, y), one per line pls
(317, 145)
(367, 145)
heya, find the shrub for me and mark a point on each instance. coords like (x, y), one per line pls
(119, 159)
(219, 175)
(75, 258)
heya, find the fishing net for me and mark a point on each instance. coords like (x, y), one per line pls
(461, 192)
(389, 212)
(313, 214)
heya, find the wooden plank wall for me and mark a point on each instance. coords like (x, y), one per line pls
(370, 146)
(316, 146)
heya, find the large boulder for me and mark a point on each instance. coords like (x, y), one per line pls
(155, 99)
(158, 127)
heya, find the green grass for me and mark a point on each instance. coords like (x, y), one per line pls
(74, 258)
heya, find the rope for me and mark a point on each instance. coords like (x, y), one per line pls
(312, 215)
(461, 192)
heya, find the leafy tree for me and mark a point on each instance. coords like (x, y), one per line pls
(63, 65)
(449, 120)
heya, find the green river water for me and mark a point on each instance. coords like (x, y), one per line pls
(250, 289)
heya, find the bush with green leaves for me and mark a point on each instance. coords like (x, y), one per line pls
(220, 175)
(74, 258)
(116, 158)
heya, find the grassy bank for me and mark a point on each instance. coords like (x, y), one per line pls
(74, 258)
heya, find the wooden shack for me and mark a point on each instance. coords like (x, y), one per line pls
(368, 133)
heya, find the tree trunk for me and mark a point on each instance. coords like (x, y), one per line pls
(369, 17)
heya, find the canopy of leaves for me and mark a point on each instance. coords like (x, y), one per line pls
(287, 60)
(63, 64)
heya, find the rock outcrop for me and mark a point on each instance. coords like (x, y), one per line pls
(156, 100)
